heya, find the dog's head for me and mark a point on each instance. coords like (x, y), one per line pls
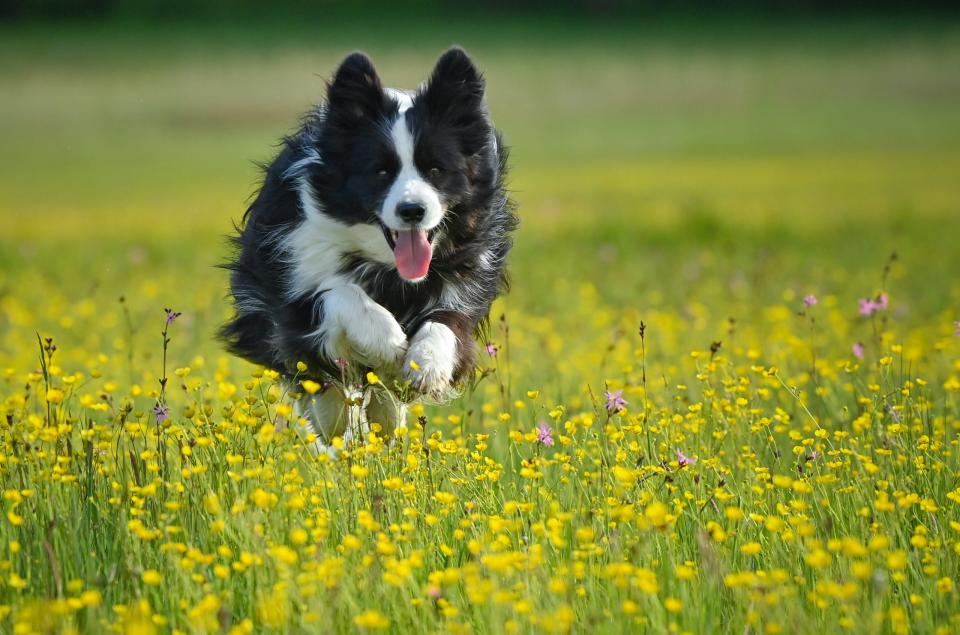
(410, 163)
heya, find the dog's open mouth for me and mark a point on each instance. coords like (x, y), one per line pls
(412, 249)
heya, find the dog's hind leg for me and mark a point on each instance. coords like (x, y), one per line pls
(350, 415)
(385, 409)
(326, 413)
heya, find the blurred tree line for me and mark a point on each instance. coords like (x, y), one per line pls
(39, 9)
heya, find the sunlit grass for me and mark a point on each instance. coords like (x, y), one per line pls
(781, 465)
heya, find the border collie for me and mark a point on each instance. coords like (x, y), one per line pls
(377, 240)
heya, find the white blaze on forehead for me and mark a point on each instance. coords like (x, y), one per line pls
(409, 186)
(403, 143)
(402, 97)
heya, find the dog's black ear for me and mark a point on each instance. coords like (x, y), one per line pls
(356, 92)
(455, 89)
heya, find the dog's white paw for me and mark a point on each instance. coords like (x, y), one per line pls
(376, 337)
(362, 329)
(431, 359)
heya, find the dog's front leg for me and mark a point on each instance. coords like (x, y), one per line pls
(440, 352)
(353, 326)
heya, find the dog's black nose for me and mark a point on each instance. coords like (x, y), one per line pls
(411, 212)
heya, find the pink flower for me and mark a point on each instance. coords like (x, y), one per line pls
(162, 412)
(492, 349)
(544, 435)
(957, 326)
(869, 306)
(685, 460)
(615, 401)
(810, 300)
(858, 350)
(172, 315)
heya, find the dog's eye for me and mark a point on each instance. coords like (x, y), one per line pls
(435, 172)
(382, 174)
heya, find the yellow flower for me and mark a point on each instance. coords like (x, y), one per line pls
(929, 505)
(673, 605)
(284, 554)
(646, 581)
(359, 471)
(897, 560)
(298, 536)
(310, 386)
(91, 598)
(878, 543)
(656, 512)
(372, 378)
(751, 548)
(861, 569)
(272, 608)
(151, 577)
(733, 513)
(558, 586)
(818, 558)
(263, 499)
(372, 620)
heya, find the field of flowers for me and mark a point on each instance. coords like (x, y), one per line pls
(722, 396)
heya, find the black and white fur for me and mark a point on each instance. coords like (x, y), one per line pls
(315, 276)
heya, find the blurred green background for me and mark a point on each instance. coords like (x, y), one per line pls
(659, 158)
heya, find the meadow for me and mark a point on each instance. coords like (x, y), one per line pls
(723, 394)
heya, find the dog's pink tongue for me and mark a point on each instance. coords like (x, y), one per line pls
(413, 253)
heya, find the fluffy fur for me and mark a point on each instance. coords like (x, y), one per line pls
(319, 256)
